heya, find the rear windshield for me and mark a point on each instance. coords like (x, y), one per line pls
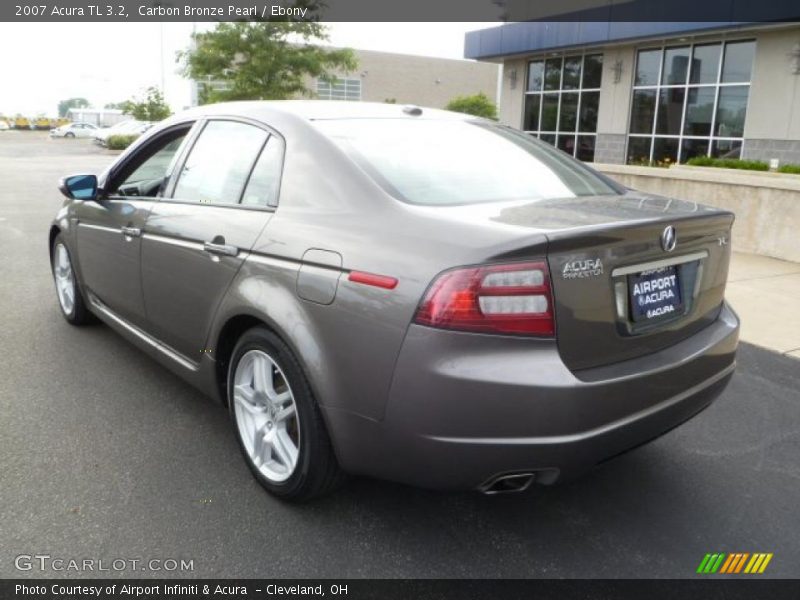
(440, 162)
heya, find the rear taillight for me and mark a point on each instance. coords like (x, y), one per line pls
(512, 298)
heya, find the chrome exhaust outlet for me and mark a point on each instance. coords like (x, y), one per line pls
(506, 484)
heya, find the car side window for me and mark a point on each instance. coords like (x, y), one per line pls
(150, 176)
(262, 188)
(217, 168)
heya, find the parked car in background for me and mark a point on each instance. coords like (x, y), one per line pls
(407, 293)
(126, 128)
(74, 130)
(4, 126)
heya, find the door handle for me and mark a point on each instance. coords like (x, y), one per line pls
(131, 231)
(220, 249)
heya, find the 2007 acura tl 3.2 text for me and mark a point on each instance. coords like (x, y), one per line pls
(400, 292)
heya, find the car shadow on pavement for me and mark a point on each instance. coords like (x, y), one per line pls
(648, 513)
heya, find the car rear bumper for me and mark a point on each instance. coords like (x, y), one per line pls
(464, 409)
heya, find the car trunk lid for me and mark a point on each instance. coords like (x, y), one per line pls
(597, 248)
(623, 290)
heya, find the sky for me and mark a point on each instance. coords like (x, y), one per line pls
(44, 63)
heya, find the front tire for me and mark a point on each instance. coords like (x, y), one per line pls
(70, 297)
(278, 423)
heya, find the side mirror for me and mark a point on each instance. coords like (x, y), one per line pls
(79, 187)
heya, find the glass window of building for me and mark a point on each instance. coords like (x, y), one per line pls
(643, 111)
(562, 99)
(738, 62)
(689, 100)
(340, 89)
(676, 66)
(705, 63)
(648, 66)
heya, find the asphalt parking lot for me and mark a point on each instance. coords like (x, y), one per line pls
(104, 454)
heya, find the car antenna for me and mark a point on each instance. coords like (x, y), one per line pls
(411, 109)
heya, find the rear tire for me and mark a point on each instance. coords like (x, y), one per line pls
(278, 423)
(68, 290)
(69, 135)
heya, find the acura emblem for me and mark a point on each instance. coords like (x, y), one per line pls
(669, 238)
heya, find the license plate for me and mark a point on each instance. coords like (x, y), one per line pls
(655, 294)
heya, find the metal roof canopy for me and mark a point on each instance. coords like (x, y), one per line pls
(527, 38)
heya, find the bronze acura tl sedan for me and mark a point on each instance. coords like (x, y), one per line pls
(401, 292)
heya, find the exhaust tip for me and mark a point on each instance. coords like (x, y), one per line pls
(507, 484)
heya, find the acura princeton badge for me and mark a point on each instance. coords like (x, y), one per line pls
(578, 269)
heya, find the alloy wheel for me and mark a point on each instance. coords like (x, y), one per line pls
(266, 416)
(65, 279)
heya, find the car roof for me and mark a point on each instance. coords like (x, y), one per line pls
(312, 110)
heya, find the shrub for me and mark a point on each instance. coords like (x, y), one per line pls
(478, 105)
(794, 169)
(120, 142)
(701, 161)
(728, 163)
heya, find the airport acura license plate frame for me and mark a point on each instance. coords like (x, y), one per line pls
(655, 294)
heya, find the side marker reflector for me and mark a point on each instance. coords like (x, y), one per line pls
(381, 281)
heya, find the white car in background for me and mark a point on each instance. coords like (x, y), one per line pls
(4, 126)
(131, 127)
(74, 130)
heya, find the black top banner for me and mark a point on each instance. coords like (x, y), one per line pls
(714, 11)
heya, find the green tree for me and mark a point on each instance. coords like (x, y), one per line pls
(65, 105)
(261, 60)
(478, 105)
(125, 106)
(150, 108)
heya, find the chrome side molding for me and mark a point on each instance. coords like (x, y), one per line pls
(98, 305)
